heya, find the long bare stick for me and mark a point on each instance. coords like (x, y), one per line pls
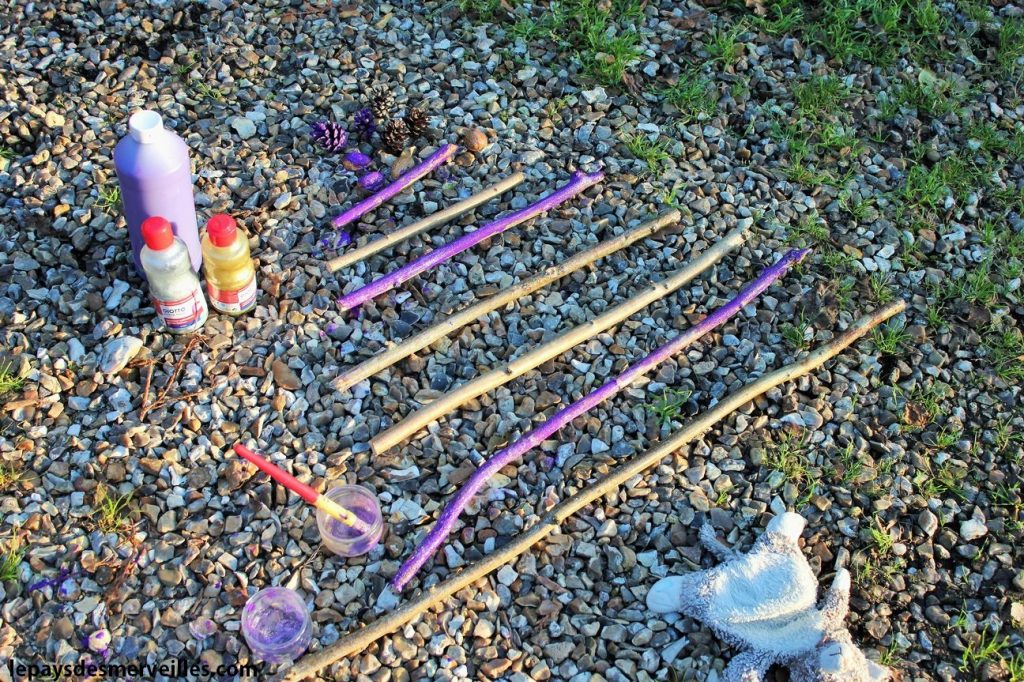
(551, 522)
(579, 182)
(433, 220)
(458, 320)
(370, 203)
(450, 514)
(553, 348)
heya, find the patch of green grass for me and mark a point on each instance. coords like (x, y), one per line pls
(891, 338)
(781, 18)
(796, 334)
(947, 437)
(109, 199)
(788, 454)
(6, 152)
(943, 481)
(112, 512)
(810, 230)
(1011, 45)
(11, 559)
(600, 36)
(1015, 668)
(1006, 348)
(723, 45)
(987, 648)
(668, 407)
(9, 381)
(878, 31)
(820, 97)
(881, 539)
(852, 463)
(878, 283)
(207, 91)
(692, 95)
(484, 10)
(654, 154)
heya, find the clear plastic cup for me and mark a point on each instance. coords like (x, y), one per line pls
(344, 540)
(276, 625)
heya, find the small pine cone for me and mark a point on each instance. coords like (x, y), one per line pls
(382, 102)
(364, 123)
(394, 136)
(329, 136)
(417, 122)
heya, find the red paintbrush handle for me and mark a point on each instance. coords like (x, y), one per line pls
(278, 474)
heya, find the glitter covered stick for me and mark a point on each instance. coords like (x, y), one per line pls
(446, 521)
(306, 492)
(578, 183)
(370, 203)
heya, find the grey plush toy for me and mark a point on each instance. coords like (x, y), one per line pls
(764, 603)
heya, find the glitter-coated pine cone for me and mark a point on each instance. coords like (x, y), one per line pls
(395, 136)
(382, 102)
(329, 136)
(417, 122)
(364, 123)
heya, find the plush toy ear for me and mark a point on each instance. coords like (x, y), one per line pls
(666, 596)
(789, 525)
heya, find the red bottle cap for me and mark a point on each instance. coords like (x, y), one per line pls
(222, 229)
(157, 233)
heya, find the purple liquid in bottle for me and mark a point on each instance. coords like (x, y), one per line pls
(156, 180)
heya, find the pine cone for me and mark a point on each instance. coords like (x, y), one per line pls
(417, 122)
(364, 123)
(382, 102)
(329, 136)
(394, 136)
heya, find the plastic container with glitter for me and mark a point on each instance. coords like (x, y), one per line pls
(276, 625)
(343, 540)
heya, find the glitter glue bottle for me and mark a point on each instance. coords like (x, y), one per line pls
(155, 175)
(173, 286)
(276, 625)
(227, 264)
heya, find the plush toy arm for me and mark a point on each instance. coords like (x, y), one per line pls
(748, 666)
(836, 603)
(711, 541)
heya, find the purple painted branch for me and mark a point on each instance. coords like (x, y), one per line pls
(578, 183)
(368, 204)
(446, 521)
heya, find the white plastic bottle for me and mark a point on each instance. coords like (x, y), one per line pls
(173, 286)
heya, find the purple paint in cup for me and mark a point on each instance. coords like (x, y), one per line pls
(276, 625)
(343, 540)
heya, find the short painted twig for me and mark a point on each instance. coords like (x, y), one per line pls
(450, 515)
(578, 183)
(370, 203)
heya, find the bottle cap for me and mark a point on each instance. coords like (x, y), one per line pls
(145, 126)
(222, 229)
(157, 233)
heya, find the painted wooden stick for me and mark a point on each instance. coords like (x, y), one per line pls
(450, 514)
(553, 348)
(362, 638)
(441, 156)
(579, 182)
(456, 321)
(439, 218)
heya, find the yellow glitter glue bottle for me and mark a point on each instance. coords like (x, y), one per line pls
(227, 265)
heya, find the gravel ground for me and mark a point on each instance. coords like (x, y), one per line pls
(894, 151)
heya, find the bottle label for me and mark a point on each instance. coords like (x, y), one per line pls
(184, 314)
(233, 300)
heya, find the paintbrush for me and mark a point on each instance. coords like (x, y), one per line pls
(321, 502)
